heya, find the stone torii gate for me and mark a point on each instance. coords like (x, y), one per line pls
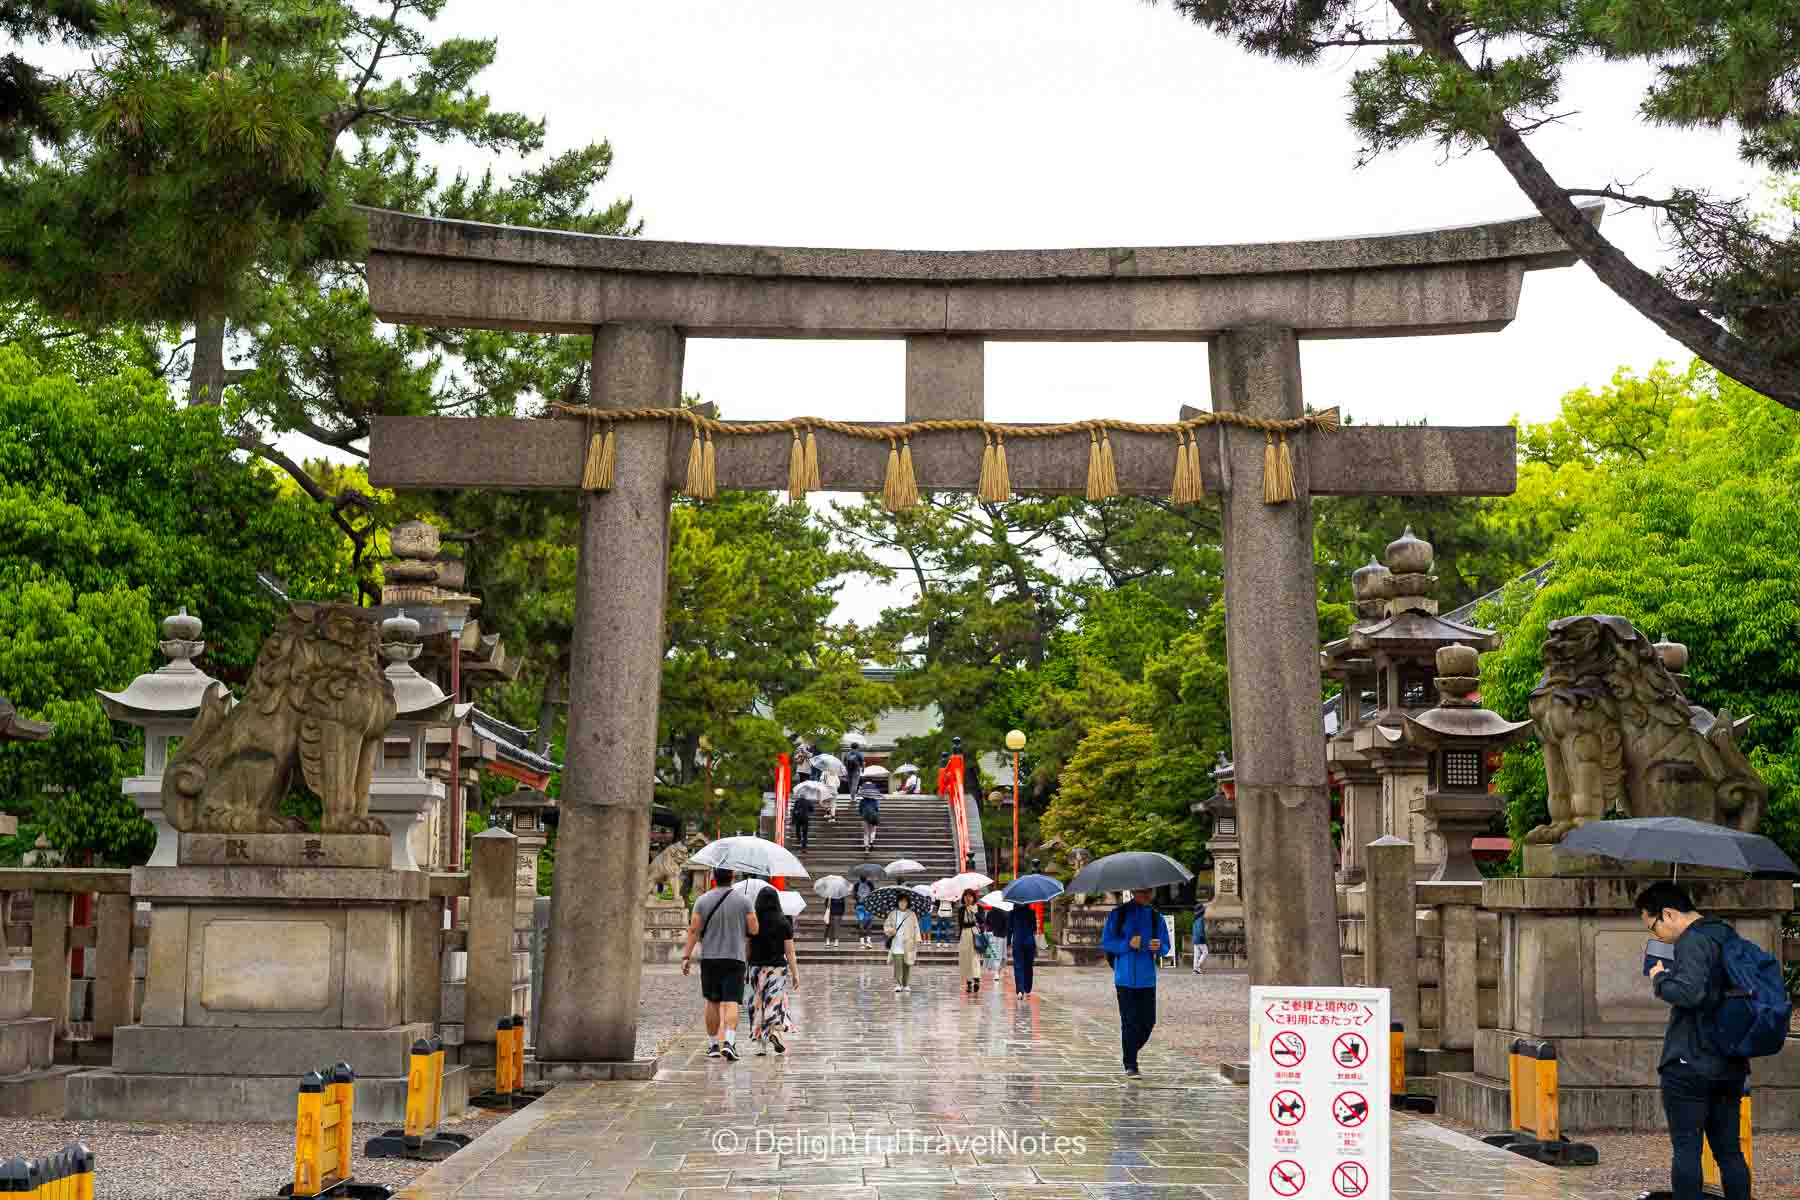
(642, 299)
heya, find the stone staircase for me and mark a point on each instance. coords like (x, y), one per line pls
(915, 827)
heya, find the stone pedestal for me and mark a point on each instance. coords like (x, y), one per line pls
(258, 974)
(1572, 972)
(1079, 943)
(665, 930)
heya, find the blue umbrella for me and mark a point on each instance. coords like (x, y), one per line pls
(1032, 889)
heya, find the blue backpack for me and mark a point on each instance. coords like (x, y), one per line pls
(1751, 1020)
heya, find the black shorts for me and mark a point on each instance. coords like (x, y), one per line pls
(722, 980)
(871, 819)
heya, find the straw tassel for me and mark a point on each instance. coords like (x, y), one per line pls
(1108, 471)
(709, 471)
(1278, 470)
(796, 470)
(1103, 479)
(909, 490)
(890, 484)
(986, 488)
(812, 461)
(597, 469)
(1181, 490)
(1002, 478)
(1196, 480)
(1093, 479)
(696, 467)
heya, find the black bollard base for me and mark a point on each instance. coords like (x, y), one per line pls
(394, 1144)
(1560, 1153)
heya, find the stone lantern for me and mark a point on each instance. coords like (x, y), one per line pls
(525, 812)
(401, 793)
(1225, 912)
(1461, 740)
(1356, 703)
(163, 703)
(1401, 647)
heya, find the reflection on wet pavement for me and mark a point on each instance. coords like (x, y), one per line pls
(924, 1095)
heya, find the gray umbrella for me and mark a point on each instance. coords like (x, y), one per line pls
(1681, 841)
(1128, 871)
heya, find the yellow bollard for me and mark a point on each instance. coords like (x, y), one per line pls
(435, 1106)
(343, 1096)
(518, 1052)
(1548, 1102)
(503, 1080)
(1396, 1059)
(419, 1093)
(1709, 1166)
(308, 1119)
(84, 1172)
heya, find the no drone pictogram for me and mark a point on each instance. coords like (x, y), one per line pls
(1288, 1108)
(1287, 1177)
(1288, 1049)
(1350, 1050)
(1350, 1179)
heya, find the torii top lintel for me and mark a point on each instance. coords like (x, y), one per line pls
(432, 271)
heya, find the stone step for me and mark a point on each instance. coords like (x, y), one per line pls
(232, 1099)
(42, 1093)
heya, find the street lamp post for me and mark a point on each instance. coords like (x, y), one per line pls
(706, 749)
(718, 803)
(1015, 741)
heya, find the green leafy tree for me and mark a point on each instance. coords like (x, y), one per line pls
(1120, 792)
(1484, 76)
(1697, 539)
(116, 508)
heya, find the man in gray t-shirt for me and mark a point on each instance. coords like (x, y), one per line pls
(723, 920)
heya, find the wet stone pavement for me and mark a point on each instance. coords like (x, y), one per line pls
(930, 1094)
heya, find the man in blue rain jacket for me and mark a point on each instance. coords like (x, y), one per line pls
(1134, 936)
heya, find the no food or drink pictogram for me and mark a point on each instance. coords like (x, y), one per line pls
(1350, 1179)
(1287, 1177)
(1350, 1050)
(1288, 1049)
(1350, 1109)
(1288, 1108)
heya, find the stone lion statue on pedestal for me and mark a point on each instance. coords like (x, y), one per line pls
(1618, 733)
(667, 866)
(317, 700)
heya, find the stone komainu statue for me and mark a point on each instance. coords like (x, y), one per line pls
(666, 868)
(317, 698)
(1618, 733)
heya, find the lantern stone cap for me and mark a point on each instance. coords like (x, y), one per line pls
(1408, 555)
(525, 798)
(16, 728)
(173, 690)
(1450, 726)
(1416, 633)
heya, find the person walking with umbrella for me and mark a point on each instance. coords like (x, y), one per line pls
(1133, 937)
(902, 929)
(968, 926)
(1027, 894)
(773, 970)
(802, 809)
(997, 929)
(869, 806)
(722, 926)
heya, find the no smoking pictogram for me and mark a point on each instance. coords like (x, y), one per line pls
(1288, 1108)
(1350, 1109)
(1288, 1049)
(1287, 1177)
(1350, 1050)
(1349, 1179)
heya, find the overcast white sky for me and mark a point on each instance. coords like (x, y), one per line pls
(954, 124)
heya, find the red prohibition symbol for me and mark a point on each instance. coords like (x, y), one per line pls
(1350, 1109)
(1349, 1179)
(1287, 1177)
(1287, 1107)
(1350, 1050)
(1288, 1049)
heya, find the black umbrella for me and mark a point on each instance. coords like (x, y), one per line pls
(1679, 840)
(1129, 870)
(867, 871)
(883, 901)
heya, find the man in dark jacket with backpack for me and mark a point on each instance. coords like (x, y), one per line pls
(1702, 1087)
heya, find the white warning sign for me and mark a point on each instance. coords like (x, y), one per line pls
(1318, 1093)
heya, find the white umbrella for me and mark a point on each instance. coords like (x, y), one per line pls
(907, 769)
(832, 887)
(875, 771)
(904, 866)
(922, 889)
(828, 762)
(995, 900)
(792, 903)
(752, 855)
(956, 885)
(811, 787)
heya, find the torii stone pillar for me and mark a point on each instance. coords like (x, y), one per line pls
(641, 298)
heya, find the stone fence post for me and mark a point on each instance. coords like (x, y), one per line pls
(1459, 983)
(1390, 930)
(489, 992)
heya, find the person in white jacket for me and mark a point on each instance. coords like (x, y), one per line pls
(902, 929)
